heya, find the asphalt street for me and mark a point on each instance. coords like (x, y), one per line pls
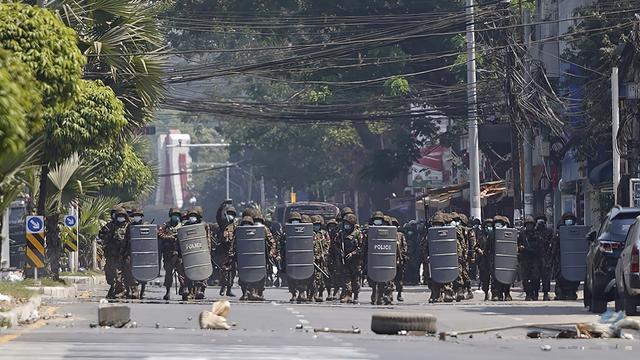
(277, 329)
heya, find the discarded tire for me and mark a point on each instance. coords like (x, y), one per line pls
(392, 323)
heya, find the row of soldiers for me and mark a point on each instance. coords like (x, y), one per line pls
(538, 254)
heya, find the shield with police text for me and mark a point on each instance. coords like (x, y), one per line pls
(196, 256)
(443, 254)
(250, 245)
(381, 253)
(505, 257)
(143, 242)
(299, 250)
(573, 252)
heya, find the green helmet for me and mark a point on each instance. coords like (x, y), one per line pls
(345, 210)
(246, 220)
(395, 222)
(463, 219)
(351, 219)
(529, 220)
(317, 219)
(305, 219)
(378, 215)
(137, 211)
(455, 216)
(174, 211)
(294, 216)
(386, 220)
(438, 219)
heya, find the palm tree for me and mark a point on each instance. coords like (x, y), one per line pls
(69, 181)
(123, 42)
(13, 168)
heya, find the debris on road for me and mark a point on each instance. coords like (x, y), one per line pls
(353, 330)
(610, 325)
(113, 315)
(392, 323)
(545, 347)
(12, 275)
(217, 318)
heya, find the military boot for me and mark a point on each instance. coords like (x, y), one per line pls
(400, 299)
(167, 295)
(143, 287)
(111, 292)
(486, 296)
(199, 295)
(346, 298)
(545, 296)
(355, 298)
(495, 297)
(468, 295)
(507, 297)
(222, 290)
(229, 293)
(459, 295)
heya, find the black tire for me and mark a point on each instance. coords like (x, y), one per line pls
(631, 305)
(392, 323)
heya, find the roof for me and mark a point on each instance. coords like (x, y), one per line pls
(442, 196)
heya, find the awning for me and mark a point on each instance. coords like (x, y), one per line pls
(441, 197)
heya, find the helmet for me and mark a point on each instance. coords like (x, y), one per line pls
(387, 220)
(246, 220)
(351, 219)
(122, 211)
(501, 218)
(377, 215)
(256, 214)
(455, 216)
(247, 212)
(174, 211)
(232, 210)
(345, 210)
(305, 219)
(317, 219)
(137, 211)
(184, 215)
(295, 216)
(438, 218)
(395, 222)
(196, 210)
(332, 222)
(447, 217)
(487, 221)
(464, 219)
(529, 220)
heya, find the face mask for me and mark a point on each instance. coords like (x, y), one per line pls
(568, 222)
(529, 226)
(295, 222)
(499, 226)
(316, 227)
(489, 228)
(377, 222)
(121, 219)
(193, 219)
(347, 226)
(137, 218)
(257, 222)
(174, 220)
(113, 216)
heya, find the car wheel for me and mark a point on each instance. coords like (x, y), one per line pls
(630, 305)
(392, 323)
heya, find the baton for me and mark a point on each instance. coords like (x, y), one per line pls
(321, 271)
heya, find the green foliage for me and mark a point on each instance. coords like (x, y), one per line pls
(125, 174)
(95, 120)
(72, 179)
(397, 86)
(46, 46)
(19, 104)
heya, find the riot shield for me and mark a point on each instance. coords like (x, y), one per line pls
(443, 254)
(381, 253)
(505, 258)
(573, 252)
(299, 250)
(250, 246)
(143, 242)
(196, 256)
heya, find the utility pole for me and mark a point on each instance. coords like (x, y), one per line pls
(527, 145)
(615, 124)
(475, 210)
(227, 187)
(263, 200)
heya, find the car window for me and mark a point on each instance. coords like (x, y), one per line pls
(622, 222)
(631, 235)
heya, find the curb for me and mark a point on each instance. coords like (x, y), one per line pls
(21, 313)
(90, 281)
(57, 292)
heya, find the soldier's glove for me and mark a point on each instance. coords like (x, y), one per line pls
(480, 252)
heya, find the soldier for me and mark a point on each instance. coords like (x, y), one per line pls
(130, 283)
(484, 255)
(168, 238)
(565, 290)
(402, 258)
(198, 288)
(499, 291)
(333, 285)
(320, 252)
(459, 283)
(112, 235)
(530, 258)
(351, 243)
(439, 292)
(546, 238)
(470, 237)
(271, 247)
(226, 218)
(184, 217)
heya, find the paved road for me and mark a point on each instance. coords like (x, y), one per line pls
(269, 331)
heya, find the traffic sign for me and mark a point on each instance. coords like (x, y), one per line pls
(634, 192)
(70, 221)
(35, 241)
(35, 224)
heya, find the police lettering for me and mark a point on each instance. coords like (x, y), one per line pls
(193, 246)
(382, 247)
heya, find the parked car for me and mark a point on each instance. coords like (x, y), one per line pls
(628, 272)
(605, 247)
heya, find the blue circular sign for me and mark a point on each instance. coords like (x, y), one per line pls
(35, 224)
(70, 220)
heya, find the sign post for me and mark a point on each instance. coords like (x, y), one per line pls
(634, 192)
(35, 243)
(71, 242)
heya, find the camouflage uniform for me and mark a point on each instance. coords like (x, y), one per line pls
(171, 258)
(112, 235)
(225, 247)
(499, 291)
(402, 258)
(250, 290)
(351, 242)
(463, 268)
(271, 248)
(484, 256)
(297, 288)
(565, 290)
(131, 284)
(470, 237)
(380, 291)
(320, 251)
(530, 257)
(548, 264)
(333, 259)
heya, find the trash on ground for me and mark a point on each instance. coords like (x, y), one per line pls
(216, 319)
(353, 330)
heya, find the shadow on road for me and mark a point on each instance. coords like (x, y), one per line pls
(520, 309)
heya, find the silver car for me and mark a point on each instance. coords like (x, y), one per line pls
(628, 272)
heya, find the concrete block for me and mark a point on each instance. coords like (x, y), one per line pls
(113, 315)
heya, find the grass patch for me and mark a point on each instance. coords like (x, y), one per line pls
(17, 290)
(82, 273)
(45, 282)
